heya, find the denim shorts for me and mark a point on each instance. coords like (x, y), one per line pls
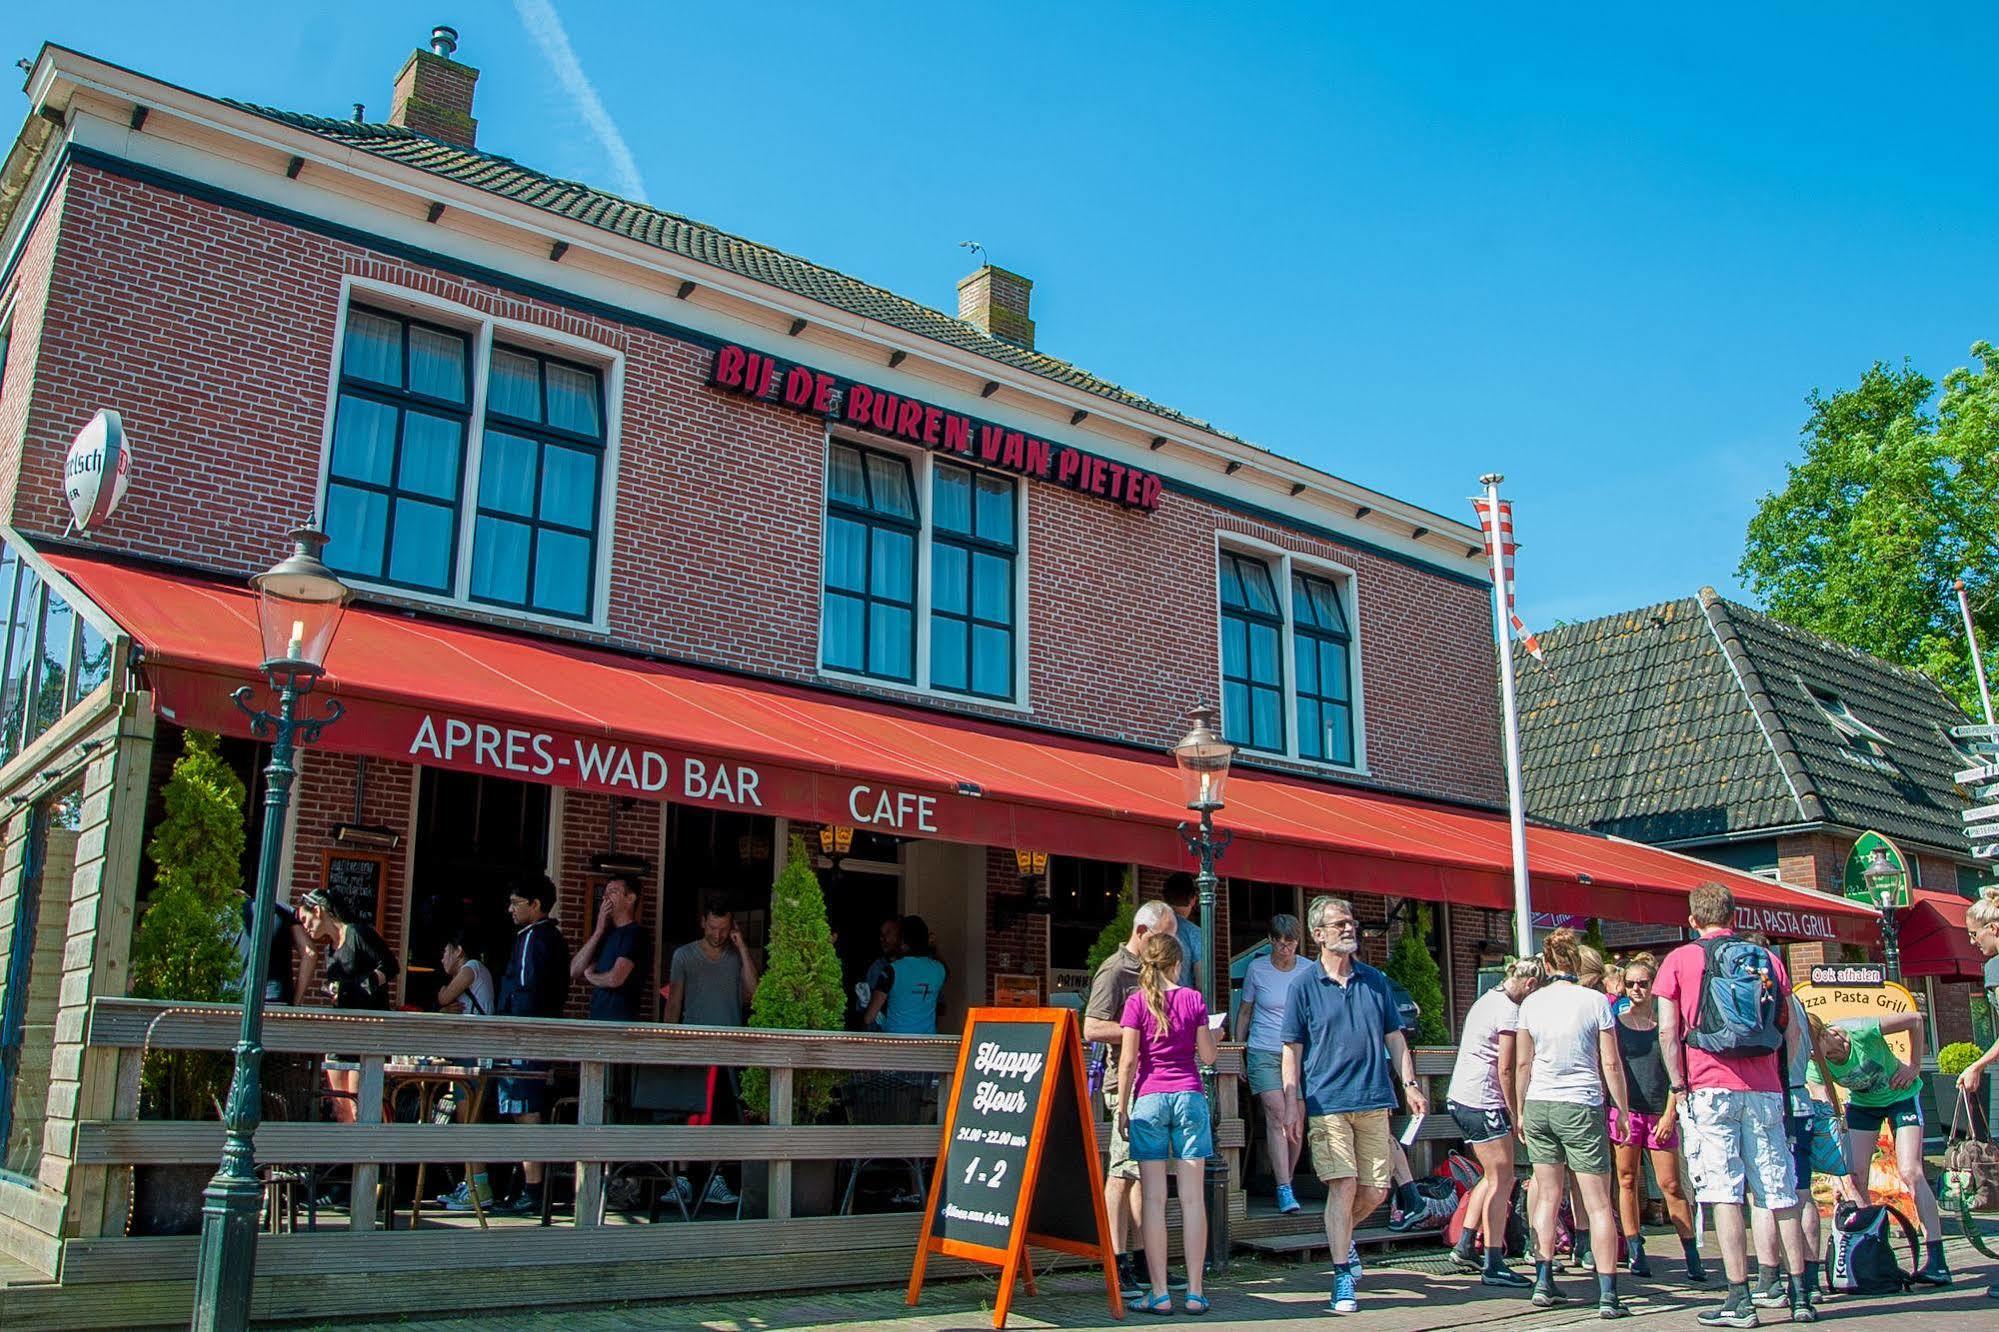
(1171, 1126)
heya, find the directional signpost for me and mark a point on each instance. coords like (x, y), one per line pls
(1981, 821)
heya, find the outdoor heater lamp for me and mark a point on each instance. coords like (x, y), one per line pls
(1203, 758)
(300, 603)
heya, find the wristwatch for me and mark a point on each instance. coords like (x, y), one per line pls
(1677, 1091)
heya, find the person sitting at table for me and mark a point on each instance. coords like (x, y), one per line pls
(535, 984)
(612, 960)
(469, 987)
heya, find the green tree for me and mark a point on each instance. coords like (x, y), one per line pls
(184, 946)
(800, 989)
(1411, 966)
(1113, 935)
(1891, 502)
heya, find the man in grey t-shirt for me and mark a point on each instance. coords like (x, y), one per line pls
(712, 979)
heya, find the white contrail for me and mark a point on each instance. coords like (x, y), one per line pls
(545, 26)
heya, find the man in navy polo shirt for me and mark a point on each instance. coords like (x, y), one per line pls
(1337, 1085)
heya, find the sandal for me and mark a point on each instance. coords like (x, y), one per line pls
(1155, 1304)
(1195, 1304)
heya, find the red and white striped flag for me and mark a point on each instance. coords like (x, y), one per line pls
(1502, 527)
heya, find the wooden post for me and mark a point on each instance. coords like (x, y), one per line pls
(780, 1171)
(589, 1174)
(367, 1110)
(1228, 1094)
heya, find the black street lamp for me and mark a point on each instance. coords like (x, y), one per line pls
(1886, 884)
(299, 606)
(1203, 758)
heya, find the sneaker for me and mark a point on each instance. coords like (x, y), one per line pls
(1287, 1199)
(1130, 1285)
(461, 1201)
(683, 1189)
(1635, 1261)
(1176, 1281)
(1803, 1312)
(1547, 1294)
(1729, 1314)
(1933, 1273)
(521, 1204)
(1774, 1293)
(719, 1193)
(1353, 1261)
(1504, 1277)
(1345, 1300)
(1611, 1307)
(1466, 1261)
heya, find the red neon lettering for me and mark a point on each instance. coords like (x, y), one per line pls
(1015, 453)
(1134, 487)
(884, 417)
(1113, 478)
(797, 387)
(957, 434)
(822, 393)
(860, 403)
(1149, 498)
(1067, 464)
(1037, 456)
(990, 439)
(909, 420)
(933, 421)
(729, 366)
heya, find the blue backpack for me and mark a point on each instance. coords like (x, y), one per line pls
(1741, 1014)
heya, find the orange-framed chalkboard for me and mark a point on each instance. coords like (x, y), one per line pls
(1018, 1161)
(360, 879)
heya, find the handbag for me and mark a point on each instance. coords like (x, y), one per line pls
(1970, 1171)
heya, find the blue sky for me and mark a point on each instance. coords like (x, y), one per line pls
(1607, 255)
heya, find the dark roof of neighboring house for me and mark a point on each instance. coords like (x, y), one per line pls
(703, 243)
(1696, 718)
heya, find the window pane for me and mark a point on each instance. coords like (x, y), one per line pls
(430, 455)
(1308, 665)
(512, 388)
(373, 349)
(569, 486)
(1334, 679)
(437, 363)
(992, 587)
(947, 578)
(356, 522)
(1311, 739)
(996, 509)
(1235, 647)
(1269, 727)
(847, 482)
(93, 660)
(20, 662)
(52, 676)
(421, 555)
(1263, 653)
(364, 440)
(1257, 589)
(888, 479)
(562, 572)
(890, 648)
(992, 661)
(1339, 733)
(1231, 582)
(892, 570)
(1326, 601)
(506, 473)
(948, 651)
(1235, 713)
(846, 554)
(842, 636)
(953, 498)
(572, 399)
(500, 560)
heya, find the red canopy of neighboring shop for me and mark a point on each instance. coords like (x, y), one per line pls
(1935, 941)
(456, 695)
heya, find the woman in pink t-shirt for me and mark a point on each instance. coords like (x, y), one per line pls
(1166, 1040)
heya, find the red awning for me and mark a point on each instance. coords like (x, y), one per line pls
(1935, 939)
(456, 695)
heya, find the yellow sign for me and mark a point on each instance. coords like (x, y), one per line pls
(1831, 1003)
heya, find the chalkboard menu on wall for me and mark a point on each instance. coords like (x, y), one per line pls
(358, 879)
(1018, 1164)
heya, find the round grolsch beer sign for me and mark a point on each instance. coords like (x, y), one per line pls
(98, 469)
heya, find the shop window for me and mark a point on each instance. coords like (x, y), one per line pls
(540, 471)
(1322, 649)
(477, 837)
(17, 682)
(972, 550)
(1083, 897)
(872, 528)
(395, 472)
(1252, 655)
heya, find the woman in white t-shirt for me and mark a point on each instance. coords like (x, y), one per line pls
(1566, 1054)
(1260, 1026)
(1482, 1102)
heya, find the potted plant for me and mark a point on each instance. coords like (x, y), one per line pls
(184, 947)
(1952, 1060)
(800, 991)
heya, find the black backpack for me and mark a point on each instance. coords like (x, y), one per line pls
(1860, 1256)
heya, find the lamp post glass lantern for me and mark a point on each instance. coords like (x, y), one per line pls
(300, 603)
(1203, 758)
(1886, 883)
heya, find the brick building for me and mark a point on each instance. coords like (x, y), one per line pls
(670, 546)
(1704, 726)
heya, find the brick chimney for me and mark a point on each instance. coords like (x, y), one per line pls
(433, 93)
(995, 301)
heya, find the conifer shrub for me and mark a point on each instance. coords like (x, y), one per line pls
(1412, 967)
(800, 989)
(1114, 934)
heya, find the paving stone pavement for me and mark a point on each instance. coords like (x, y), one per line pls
(1403, 1294)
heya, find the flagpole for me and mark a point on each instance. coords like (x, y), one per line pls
(1977, 657)
(1523, 908)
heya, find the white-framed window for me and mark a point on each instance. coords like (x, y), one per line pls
(922, 585)
(1854, 733)
(1290, 654)
(469, 459)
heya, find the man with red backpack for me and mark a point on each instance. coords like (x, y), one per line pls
(1723, 1019)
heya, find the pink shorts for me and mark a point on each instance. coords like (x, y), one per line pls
(1635, 1130)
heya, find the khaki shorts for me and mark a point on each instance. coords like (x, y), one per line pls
(1121, 1165)
(1567, 1133)
(1352, 1146)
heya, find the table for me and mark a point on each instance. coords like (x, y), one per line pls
(432, 1081)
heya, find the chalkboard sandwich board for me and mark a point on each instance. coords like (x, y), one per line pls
(359, 879)
(1018, 1164)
